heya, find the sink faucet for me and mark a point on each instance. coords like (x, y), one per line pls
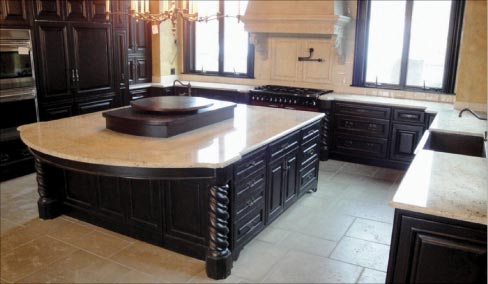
(184, 85)
(472, 112)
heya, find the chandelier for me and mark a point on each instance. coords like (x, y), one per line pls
(139, 10)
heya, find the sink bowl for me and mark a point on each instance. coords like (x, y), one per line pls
(455, 144)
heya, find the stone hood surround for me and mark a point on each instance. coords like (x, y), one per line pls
(304, 17)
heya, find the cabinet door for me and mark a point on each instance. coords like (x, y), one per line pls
(120, 60)
(120, 20)
(290, 189)
(427, 251)
(97, 11)
(404, 141)
(76, 10)
(55, 78)
(50, 10)
(14, 12)
(92, 54)
(275, 189)
(142, 72)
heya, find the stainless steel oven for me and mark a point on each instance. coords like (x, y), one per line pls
(18, 100)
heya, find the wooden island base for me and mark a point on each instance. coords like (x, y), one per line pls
(205, 213)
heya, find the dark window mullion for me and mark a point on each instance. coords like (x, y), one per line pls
(453, 46)
(406, 43)
(221, 37)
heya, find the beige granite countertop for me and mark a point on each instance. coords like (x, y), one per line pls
(441, 184)
(84, 138)
(446, 185)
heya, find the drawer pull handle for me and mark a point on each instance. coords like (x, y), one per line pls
(248, 227)
(372, 126)
(370, 145)
(349, 124)
(4, 158)
(405, 115)
(348, 142)
(252, 164)
(251, 183)
(284, 146)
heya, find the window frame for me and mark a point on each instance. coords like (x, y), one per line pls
(452, 50)
(189, 51)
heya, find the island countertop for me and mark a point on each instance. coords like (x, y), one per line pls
(85, 138)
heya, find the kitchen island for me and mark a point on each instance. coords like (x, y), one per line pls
(203, 193)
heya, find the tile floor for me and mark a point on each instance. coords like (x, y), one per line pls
(341, 233)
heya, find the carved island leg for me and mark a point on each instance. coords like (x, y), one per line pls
(219, 257)
(47, 204)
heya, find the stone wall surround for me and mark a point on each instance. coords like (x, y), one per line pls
(341, 73)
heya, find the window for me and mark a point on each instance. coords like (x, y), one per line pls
(408, 45)
(219, 47)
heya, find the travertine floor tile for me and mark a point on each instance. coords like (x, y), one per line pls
(293, 218)
(307, 244)
(256, 259)
(69, 231)
(135, 276)
(371, 231)
(32, 256)
(31, 230)
(366, 210)
(272, 235)
(331, 165)
(99, 243)
(202, 278)
(6, 225)
(161, 263)
(330, 227)
(79, 267)
(359, 169)
(389, 174)
(372, 276)
(298, 267)
(363, 253)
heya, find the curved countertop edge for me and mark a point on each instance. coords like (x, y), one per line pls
(229, 161)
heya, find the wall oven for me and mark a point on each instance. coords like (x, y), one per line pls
(18, 100)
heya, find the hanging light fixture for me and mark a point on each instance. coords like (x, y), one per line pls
(139, 10)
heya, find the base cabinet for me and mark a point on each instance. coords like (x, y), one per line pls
(429, 249)
(372, 134)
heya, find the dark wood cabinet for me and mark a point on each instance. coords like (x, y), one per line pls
(15, 13)
(49, 10)
(74, 65)
(404, 140)
(430, 249)
(55, 77)
(371, 134)
(92, 59)
(76, 10)
(283, 168)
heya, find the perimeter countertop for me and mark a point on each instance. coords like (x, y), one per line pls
(441, 184)
(84, 138)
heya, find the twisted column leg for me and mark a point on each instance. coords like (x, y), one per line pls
(219, 259)
(47, 204)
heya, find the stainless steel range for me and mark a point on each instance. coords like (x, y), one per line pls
(287, 97)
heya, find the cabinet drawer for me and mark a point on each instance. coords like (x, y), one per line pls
(284, 145)
(360, 126)
(249, 201)
(409, 115)
(250, 225)
(309, 174)
(249, 164)
(310, 150)
(362, 110)
(250, 190)
(360, 146)
(310, 132)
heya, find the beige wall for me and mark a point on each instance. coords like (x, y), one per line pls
(341, 74)
(471, 84)
(164, 48)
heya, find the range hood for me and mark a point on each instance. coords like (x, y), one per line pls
(299, 17)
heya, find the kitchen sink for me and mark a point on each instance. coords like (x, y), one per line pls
(455, 144)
